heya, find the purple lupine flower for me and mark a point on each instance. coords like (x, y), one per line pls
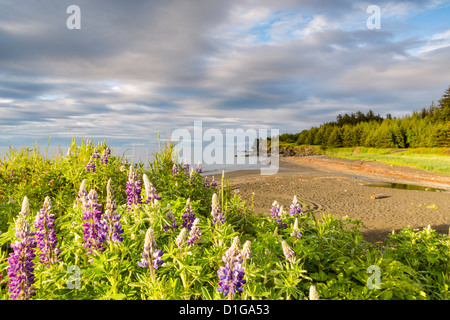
(133, 190)
(171, 217)
(112, 217)
(231, 276)
(186, 166)
(287, 251)
(95, 154)
(150, 191)
(206, 182)
(21, 266)
(195, 233)
(174, 169)
(216, 211)
(188, 216)
(82, 194)
(213, 182)
(90, 165)
(95, 228)
(191, 177)
(296, 207)
(199, 168)
(46, 234)
(295, 231)
(151, 257)
(105, 154)
(277, 213)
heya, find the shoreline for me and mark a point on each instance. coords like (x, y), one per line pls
(345, 187)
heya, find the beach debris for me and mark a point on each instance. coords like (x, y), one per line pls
(378, 196)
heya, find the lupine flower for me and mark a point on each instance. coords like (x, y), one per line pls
(150, 191)
(288, 252)
(213, 182)
(151, 257)
(206, 182)
(296, 207)
(170, 216)
(313, 294)
(133, 190)
(112, 217)
(46, 234)
(199, 168)
(181, 237)
(216, 211)
(82, 193)
(21, 266)
(295, 232)
(95, 154)
(194, 234)
(191, 177)
(188, 216)
(90, 165)
(174, 169)
(231, 276)
(186, 166)
(276, 213)
(25, 207)
(246, 250)
(95, 228)
(105, 154)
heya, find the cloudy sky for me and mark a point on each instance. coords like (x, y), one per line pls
(136, 68)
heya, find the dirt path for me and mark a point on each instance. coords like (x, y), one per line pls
(344, 187)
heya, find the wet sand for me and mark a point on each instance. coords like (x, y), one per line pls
(342, 187)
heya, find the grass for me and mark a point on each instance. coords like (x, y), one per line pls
(430, 159)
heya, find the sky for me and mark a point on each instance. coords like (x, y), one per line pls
(138, 68)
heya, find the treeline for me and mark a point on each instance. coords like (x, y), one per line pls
(429, 127)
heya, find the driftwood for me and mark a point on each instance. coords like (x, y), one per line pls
(378, 196)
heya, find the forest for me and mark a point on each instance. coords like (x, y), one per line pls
(429, 127)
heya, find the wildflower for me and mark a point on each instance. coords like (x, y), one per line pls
(246, 250)
(186, 166)
(25, 207)
(95, 154)
(276, 213)
(21, 266)
(112, 217)
(213, 182)
(191, 177)
(194, 233)
(46, 234)
(82, 193)
(151, 257)
(199, 168)
(174, 169)
(95, 228)
(231, 276)
(150, 191)
(216, 211)
(188, 216)
(133, 189)
(313, 294)
(105, 154)
(295, 207)
(90, 165)
(288, 252)
(295, 232)
(170, 216)
(181, 237)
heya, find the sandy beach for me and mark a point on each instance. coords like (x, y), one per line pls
(344, 187)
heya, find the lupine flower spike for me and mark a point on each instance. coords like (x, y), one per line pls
(231, 276)
(181, 237)
(174, 169)
(313, 294)
(21, 266)
(133, 190)
(115, 229)
(95, 227)
(296, 207)
(150, 191)
(25, 207)
(186, 166)
(288, 252)
(151, 257)
(90, 165)
(46, 234)
(194, 234)
(246, 250)
(188, 216)
(216, 211)
(295, 232)
(199, 168)
(171, 217)
(191, 177)
(82, 194)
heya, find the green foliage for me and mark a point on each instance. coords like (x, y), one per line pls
(331, 253)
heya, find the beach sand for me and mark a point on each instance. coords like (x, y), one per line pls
(342, 187)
